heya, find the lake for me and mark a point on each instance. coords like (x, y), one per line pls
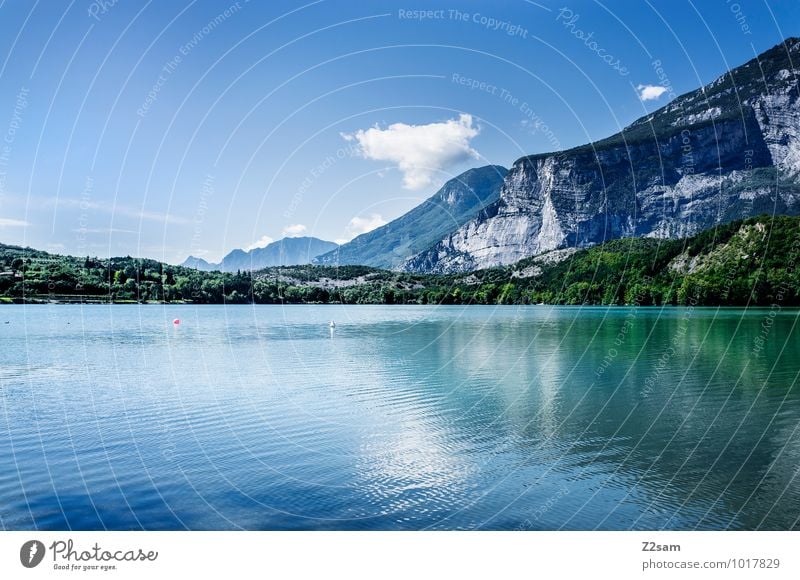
(402, 417)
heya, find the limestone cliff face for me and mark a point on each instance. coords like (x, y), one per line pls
(726, 151)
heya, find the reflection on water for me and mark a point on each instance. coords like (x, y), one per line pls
(399, 418)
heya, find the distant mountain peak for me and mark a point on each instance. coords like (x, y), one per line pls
(196, 263)
(284, 252)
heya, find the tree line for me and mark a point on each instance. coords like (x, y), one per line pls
(750, 261)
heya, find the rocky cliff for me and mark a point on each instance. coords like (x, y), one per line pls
(458, 201)
(723, 152)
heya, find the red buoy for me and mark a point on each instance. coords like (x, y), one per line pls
(176, 322)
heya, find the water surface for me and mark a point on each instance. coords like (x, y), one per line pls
(261, 417)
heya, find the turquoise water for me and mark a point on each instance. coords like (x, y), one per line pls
(261, 417)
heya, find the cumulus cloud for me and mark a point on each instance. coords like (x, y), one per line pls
(294, 230)
(362, 225)
(10, 223)
(261, 242)
(650, 92)
(419, 151)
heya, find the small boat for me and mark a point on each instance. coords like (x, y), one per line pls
(332, 324)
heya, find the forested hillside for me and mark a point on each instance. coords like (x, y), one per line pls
(753, 261)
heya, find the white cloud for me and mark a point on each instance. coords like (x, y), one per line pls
(294, 230)
(419, 150)
(650, 92)
(261, 242)
(11, 223)
(362, 225)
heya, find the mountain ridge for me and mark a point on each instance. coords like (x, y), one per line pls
(294, 251)
(728, 150)
(458, 200)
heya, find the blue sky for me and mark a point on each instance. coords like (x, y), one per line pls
(164, 129)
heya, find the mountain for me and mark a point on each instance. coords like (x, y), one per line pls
(198, 264)
(726, 151)
(459, 200)
(284, 252)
